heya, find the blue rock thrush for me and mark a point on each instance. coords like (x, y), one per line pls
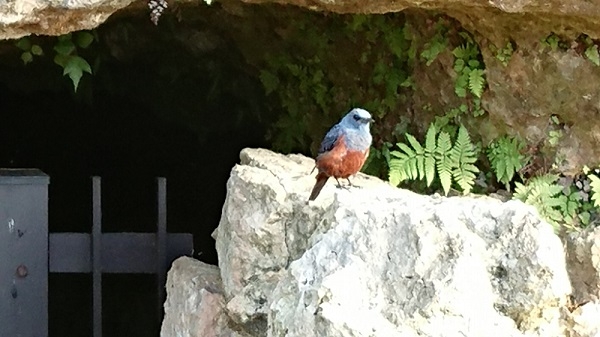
(344, 150)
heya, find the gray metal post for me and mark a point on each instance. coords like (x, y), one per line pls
(23, 253)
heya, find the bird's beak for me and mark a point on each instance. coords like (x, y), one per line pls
(370, 120)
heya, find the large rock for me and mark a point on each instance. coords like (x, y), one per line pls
(381, 261)
(583, 257)
(24, 17)
(195, 304)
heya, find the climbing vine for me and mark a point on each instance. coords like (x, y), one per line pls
(67, 49)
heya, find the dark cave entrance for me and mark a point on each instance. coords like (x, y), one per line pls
(180, 108)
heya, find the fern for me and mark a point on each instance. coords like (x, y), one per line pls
(430, 148)
(546, 196)
(592, 54)
(595, 186)
(452, 163)
(464, 157)
(476, 82)
(506, 159)
(443, 162)
(469, 69)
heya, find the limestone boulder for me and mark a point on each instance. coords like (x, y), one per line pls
(381, 261)
(195, 303)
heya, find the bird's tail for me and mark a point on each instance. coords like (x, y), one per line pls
(321, 180)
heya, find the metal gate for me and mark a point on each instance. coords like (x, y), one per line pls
(28, 252)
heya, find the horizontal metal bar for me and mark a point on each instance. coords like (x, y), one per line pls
(132, 253)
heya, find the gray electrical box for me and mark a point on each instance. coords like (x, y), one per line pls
(23, 253)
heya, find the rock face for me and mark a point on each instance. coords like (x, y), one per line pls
(380, 261)
(522, 95)
(583, 256)
(195, 303)
(24, 17)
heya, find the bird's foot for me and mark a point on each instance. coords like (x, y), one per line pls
(352, 185)
(339, 185)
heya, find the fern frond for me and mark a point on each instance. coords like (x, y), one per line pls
(595, 185)
(506, 158)
(476, 82)
(592, 54)
(443, 161)
(430, 147)
(419, 156)
(397, 172)
(463, 156)
(545, 195)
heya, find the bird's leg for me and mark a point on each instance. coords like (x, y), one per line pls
(339, 185)
(351, 184)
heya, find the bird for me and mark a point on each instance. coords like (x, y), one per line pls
(344, 149)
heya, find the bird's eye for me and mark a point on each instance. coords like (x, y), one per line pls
(356, 117)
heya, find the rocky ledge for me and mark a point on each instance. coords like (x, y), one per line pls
(379, 261)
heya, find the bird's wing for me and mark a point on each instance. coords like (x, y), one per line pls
(330, 138)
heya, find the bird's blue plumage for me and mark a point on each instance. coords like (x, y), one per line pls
(355, 127)
(330, 138)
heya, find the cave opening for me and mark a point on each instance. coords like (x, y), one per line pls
(175, 100)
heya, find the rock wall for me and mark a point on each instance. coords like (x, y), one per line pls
(381, 261)
(522, 94)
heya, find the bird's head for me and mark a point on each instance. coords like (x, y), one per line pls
(358, 118)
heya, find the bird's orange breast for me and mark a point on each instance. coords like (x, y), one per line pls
(341, 162)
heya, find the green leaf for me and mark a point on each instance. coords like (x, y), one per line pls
(546, 196)
(473, 64)
(460, 92)
(37, 50)
(64, 37)
(462, 157)
(64, 47)
(84, 39)
(476, 82)
(443, 162)
(23, 43)
(75, 67)
(61, 60)
(592, 54)
(459, 65)
(26, 57)
(460, 52)
(595, 186)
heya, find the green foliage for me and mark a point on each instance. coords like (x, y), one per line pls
(67, 57)
(552, 41)
(67, 53)
(506, 158)
(591, 51)
(503, 54)
(555, 135)
(378, 160)
(436, 45)
(559, 202)
(595, 186)
(451, 162)
(315, 86)
(545, 195)
(470, 71)
(28, 49)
